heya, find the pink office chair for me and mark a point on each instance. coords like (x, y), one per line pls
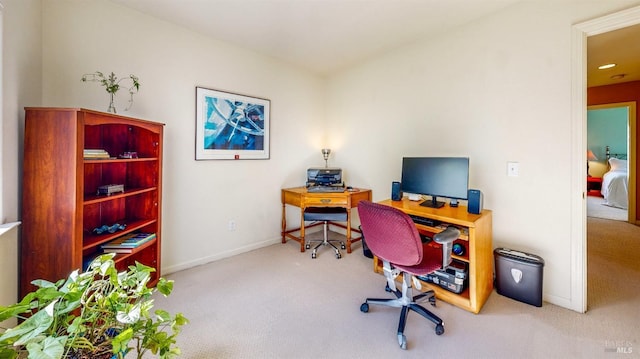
(392, 236)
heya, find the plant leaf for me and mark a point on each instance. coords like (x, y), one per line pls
(131, 316)
(50, 348)
(13, 310)
(6, 353)
(120, 341)
(43, 283)
(165, 286)
(32, 327)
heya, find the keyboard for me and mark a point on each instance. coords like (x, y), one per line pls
(325, 189)
(424, 221)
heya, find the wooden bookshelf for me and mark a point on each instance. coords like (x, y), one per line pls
(60, 204)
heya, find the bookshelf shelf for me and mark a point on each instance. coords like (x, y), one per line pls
(91, 240)
(119, 160)
(126, 257)
(92, 199)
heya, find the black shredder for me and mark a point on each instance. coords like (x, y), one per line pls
(519, 275)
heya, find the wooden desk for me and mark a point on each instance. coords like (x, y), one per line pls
(300, 197)
(476, 236)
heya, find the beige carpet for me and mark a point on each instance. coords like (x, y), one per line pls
(597, 208)
(276, 302)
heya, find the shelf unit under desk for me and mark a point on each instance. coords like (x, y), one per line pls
(476, 236)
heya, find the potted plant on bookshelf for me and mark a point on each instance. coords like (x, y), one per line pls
(98, 314)
(111, 84)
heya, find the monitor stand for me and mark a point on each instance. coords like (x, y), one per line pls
(432, 203)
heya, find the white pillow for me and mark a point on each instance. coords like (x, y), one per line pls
(618, 165)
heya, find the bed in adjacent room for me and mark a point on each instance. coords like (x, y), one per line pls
(615, 184)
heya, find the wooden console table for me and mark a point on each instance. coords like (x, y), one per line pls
(476, 237)
(300, 197)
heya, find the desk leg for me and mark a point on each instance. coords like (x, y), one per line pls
(284, 221)
(301, 229)
(348, 230)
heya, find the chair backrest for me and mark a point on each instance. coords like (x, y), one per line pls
(390, 233)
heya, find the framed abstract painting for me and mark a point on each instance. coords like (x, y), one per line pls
(231, 126)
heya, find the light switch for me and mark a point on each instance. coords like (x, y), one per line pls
(513, 169)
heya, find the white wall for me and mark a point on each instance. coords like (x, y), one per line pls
(199, 197)
(496, 90)
(21, 84)
(9, 271)
(1, 140)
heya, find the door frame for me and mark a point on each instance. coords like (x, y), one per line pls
(579, 34)
(631, 151)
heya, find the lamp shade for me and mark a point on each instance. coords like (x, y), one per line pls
(591, 156)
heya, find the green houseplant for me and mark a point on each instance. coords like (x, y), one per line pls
(111, 84)
(99, 313)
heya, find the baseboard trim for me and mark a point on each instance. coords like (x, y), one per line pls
(218, 256)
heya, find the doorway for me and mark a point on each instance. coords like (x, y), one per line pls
(611, 132)
(578, 242)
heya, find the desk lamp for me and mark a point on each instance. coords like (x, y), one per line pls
(590, 157)
(325, 154)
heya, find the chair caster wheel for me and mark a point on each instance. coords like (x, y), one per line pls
(338, 256)
(313, 255)
(342, 246)
(402, 340)
(307, 246)
(432, 301)
(364, 307)
(439, 329)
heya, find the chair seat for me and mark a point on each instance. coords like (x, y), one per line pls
(325, 214)
(431, 261)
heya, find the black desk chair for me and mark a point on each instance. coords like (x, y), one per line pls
(325, 215)
(392, 237)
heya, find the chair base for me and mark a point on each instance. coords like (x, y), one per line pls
(325, 242)
(407, 302)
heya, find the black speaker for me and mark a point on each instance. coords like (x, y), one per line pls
(475, 201)
(396, 192)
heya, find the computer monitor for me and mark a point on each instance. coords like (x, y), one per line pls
(446, 177)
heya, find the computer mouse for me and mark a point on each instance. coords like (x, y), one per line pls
(349, 188)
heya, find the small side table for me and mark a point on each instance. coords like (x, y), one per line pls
(594, 185)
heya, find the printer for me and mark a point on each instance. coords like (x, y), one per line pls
(325, 177)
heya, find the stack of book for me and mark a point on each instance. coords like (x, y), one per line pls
(95, 154)
(127, 243)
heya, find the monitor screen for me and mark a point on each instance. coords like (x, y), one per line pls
(437, 177)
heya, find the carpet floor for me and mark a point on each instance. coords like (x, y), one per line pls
(276, 302)
(597, 208)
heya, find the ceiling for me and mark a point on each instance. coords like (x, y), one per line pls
(621, 47)
(325, 36)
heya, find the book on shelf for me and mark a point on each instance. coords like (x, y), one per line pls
(118, 250)
(128, 242)
(90, 153)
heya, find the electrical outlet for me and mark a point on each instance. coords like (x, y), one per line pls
(513, 169)
(232, 225)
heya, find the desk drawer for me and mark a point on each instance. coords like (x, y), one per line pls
(292, 198)
(326, 201)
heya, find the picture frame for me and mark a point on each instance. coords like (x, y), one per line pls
(231, 126)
